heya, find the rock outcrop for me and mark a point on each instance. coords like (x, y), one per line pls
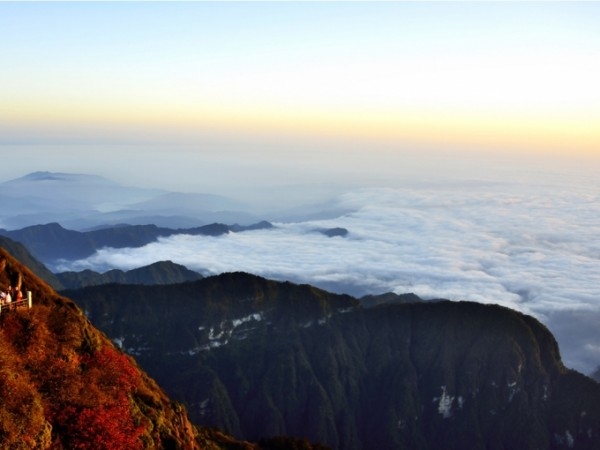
(260, 358)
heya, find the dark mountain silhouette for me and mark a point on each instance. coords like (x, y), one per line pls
(369, 301)
(64, 385)
(161, 272)
(262, 225)
(333, 232)
(262, 358)
(51, 242)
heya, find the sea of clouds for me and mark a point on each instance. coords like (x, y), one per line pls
(534, 248)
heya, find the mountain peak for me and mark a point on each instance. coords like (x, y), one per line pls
(62, 177)
(65, 385)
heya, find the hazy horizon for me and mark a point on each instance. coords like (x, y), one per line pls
(295, 100)
(302, 177)
(255, 76)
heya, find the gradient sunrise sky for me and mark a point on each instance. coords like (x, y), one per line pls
(376, 76)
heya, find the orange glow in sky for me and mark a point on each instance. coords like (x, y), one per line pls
(462, 75)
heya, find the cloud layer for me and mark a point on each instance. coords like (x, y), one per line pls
(536, 250)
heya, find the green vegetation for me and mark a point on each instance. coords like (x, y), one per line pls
(259, 358)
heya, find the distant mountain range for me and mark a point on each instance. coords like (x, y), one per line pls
(161, 272)
(83, 202)
(51, 242)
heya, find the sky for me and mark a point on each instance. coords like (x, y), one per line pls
(292, 87)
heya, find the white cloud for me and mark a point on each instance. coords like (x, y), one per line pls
(536, 250)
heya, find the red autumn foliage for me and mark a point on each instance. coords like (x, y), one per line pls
(111, 369)
(105, 427)
(103, 419)
(63, 385)
(89, 392)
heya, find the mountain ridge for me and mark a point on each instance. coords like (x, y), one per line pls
(257, 357)
(160, 272)
(51, 242)
(64, 384)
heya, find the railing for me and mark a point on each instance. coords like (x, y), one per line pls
(25, 302)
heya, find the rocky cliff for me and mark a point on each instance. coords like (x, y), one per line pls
(260, 358)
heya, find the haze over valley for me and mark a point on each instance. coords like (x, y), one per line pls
(529, 245)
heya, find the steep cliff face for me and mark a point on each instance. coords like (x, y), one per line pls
(260, 358)
(64, 385)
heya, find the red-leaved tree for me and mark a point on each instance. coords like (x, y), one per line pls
(103, 417)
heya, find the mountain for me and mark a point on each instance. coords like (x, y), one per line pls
(333, 232)
(369, 301)
(80, 201)
(42, 197)
(257, 358)
(161, 272)
(51, 242)
(19, 251)
(64, 385)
